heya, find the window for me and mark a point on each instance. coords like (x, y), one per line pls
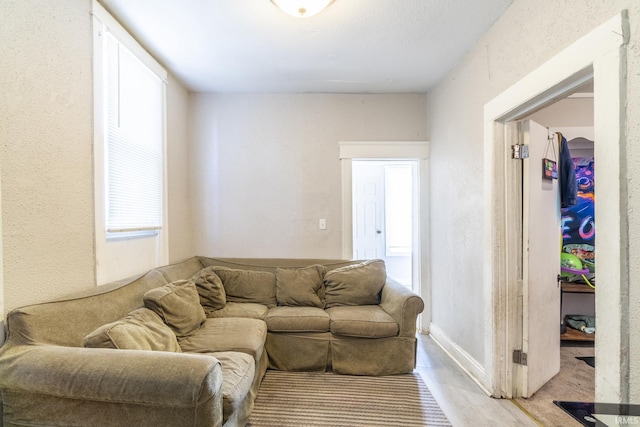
(132, 92)
(134, 142)
(131, 232)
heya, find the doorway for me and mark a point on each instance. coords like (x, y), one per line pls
(600, 55)
(417, 152)
(384, 214)
(560, 365)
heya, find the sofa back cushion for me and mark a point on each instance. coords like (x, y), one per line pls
(300, 286)
(178, 305)
(271, 264)
(142, 329)
(248, 285)
(211, 290)
(357, 284)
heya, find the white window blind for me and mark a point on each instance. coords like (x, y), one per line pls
(134, 142)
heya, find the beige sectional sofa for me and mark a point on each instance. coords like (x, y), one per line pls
(189, 343)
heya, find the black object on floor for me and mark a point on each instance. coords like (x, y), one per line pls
(581, 411)
(589, 360)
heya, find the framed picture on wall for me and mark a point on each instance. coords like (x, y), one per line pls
(549, 169)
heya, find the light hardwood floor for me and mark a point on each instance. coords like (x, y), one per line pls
(466, 404)
(461, 399)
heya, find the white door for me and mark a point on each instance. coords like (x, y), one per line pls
(541, 262)
(368, 211)
(383, 212)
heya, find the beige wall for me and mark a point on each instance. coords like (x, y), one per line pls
(46, 151)
(46, 160)
(265, 168)
(529, 33)
(178, 192)
(571, 112)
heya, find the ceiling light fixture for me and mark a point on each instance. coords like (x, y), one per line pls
(302, 8)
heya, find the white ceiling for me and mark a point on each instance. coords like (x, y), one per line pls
(354, 46)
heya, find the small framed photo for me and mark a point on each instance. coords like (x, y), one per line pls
(549, 169)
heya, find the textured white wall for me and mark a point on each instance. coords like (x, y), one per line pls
(265, 168)
(46, 153)
(529, 33)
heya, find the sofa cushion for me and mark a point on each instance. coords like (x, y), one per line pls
(241, 309)
(300, 286)
(210, 289)
(228, 334)
(357, 284)
(248, 285)
(366, 321)
(142, 329)
(238, 370)
(297, 319)
(178, 304)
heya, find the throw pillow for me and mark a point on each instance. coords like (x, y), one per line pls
(142, 329)
(210, 289)
(248, 285)
(300, 286)
(178, 304)
(357, 284)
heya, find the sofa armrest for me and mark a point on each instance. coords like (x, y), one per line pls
(53, 383)
(403, 305)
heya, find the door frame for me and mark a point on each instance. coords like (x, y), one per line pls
(392, 150)
(601, 56)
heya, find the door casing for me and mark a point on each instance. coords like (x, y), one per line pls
(601, 56)
(392, 150)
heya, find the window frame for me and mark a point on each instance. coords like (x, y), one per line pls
(133, 200)
(108, 243)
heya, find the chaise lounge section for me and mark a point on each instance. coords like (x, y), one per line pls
(189, 343)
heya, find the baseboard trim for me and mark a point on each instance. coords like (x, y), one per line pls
(467, 363)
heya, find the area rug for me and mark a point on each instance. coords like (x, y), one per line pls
(306, 399)
(591, 414)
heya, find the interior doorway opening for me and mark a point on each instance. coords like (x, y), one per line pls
(599, 55)
(418, 152)
(560, 363)
(384, 211)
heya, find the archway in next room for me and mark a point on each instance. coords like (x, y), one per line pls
(400, 158)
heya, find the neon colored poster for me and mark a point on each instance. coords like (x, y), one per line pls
(578, 221)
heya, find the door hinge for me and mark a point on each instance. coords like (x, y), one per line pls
(519, 357)
(520, 151)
